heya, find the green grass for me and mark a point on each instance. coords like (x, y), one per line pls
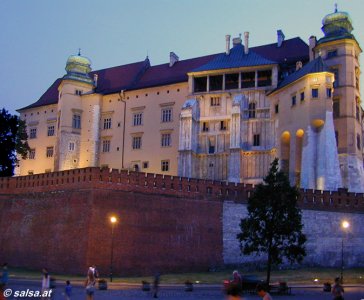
(298, 276)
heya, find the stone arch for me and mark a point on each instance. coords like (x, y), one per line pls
(298, 156)
(285, 151)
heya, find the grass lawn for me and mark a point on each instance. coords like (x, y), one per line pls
(309, 276)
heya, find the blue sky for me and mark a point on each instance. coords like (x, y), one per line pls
(37, 36)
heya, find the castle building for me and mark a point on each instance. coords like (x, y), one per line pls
(220, 117)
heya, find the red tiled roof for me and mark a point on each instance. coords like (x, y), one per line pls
(141, 75)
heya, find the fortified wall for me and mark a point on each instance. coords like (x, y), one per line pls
(60, 220)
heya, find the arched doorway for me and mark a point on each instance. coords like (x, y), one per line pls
(298, 156)
(285, 150)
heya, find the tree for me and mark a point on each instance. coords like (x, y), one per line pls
(13, 142)
(273, 226)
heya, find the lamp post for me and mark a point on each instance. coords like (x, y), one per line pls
(345, 225)
(113, 220)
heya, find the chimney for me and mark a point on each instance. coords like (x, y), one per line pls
(227, 38)
(96, 77)
(280, 38)
(246, 42)
(237, 41)
(173, 58)
(312, 45)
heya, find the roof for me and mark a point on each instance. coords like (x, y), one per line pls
(140, 74)
(315, 66)
(236, 59)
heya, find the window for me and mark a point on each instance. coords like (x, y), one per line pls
(32, 154)
(106, 146)
(33, 133)
(231, 81)
(200, 84)
(331, 53)
(167, 115)
(166, 140)
(107, 123)
(78, 92)
(315, 93)
(357, 113)
(216, 83)
(50, 131)
(247, 80)
(328, 93)
(137, 142)
(211, 145)
(293, 100)
(302, 96)
(205, 127)
(256, 140)
(145, 164)
(276, 108)
(358, 144)
(223, 125)
(76, 122)
(265, 78)
(71, 146)
(215, 101)
(336, 77)
(337, 138)
(49, 152)
(357, 78)
(165, 165)
(137, 119)
(336, 108)
(251, 112)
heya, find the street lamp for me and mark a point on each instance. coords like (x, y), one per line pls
(113, 220)
(345, 225)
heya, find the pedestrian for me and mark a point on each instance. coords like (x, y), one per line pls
(4, 275)
(236, 279)
(156, 285)
(90, 284)
(46, 284)
(68, 290)
(337, 290)
(262, 292)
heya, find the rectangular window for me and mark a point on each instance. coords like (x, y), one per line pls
(357, 113)
(32, 154)
(137, 119)
(166, 140)
(215, 101)
(358, 144)
(328, 93)
(200, 84)
(331, 53)
(315, 93)
(78, 92)
(276, 108)
(76, 122)
(33, 133)
(205, 126)
(71, 146)
(215, 83)
(49, 152)
(223, 125)
(165, 165)
(106, 146)
(302, 96)
(167, 115)
(231, 81)
(256, 140)
(336, 77)
(293, 100)
(337, 138)
(137, 142)
(265, 78)
(50, 131)
(247, 80)
(336, 108)
(145, 164)
(107, 123)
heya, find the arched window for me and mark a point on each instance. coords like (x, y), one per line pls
(251, 108)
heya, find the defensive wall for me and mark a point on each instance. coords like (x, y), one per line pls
(166, 223)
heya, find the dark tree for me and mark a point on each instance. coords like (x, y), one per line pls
(13, 142)
(273, 226)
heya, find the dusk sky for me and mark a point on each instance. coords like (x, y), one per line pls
(37, 36)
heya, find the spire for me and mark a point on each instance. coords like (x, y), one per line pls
(336, 7)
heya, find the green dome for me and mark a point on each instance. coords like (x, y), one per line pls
(337, 24)
(78, 68)
(335, 17)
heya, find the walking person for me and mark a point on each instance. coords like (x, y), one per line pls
(156, 285)
(46, 284)
(337, 290)
(68, 290)
(90, 284)
(4, 275)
